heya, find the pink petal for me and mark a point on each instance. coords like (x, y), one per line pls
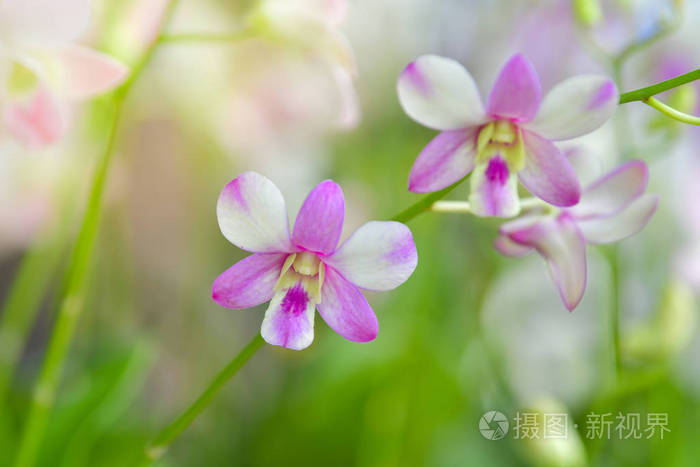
(563, 246)
(44, 21)
(289, 320)
(346, 310)
(517, 93)
(547, 173)
(378, 256)
(620, 225)
(508, 247)
(446, 159)
(37, 122)
(439, 93)
(320, 221)
(613, 192)
(249, 282)
(575, 107)
(84, 72)
(253, 215)
(494, 189)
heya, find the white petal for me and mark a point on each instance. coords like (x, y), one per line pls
(440, 93)
(576, 106)
(253, 215)
(289, 320)
(378, 256)
(508, 247)
(621, 225)
(613, 192)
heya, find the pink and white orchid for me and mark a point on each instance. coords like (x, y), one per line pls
(42, 68)
(611, 208)
(307, 269)
(511, 139)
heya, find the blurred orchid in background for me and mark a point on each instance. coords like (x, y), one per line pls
(612, 208)
(510, 140)
(307, 269)
(313, 26)
(43, 69)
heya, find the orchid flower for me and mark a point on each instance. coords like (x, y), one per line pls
(509, 141)
(611, 208)
(42, 69)
(315, 24)
(307, 269)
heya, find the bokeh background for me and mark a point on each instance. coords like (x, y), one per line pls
(468, 333)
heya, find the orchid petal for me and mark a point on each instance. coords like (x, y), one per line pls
(249, 282)
(320, 221)
(508, 247)
(517, 92)
(37, 122)
(575, 107)
(446, 159)
(440, 93)
(621, 225)
(613, 192)
(547, 173)
(378, 256)
(253, 215)
(346, 310)
(44, 21)
(494, 189)
(289, 320)
(84, 72)
(563, 246)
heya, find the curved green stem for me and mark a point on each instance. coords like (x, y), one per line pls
(671, 112)
(71, 303)
(645, 93)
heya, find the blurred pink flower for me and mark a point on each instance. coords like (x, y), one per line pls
(510, 140)
(612, 208)
(307, 269)
(43, 69)
(314, 25)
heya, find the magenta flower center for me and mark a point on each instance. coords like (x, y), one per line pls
(295, 300)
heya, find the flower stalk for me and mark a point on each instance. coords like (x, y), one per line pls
(159, 445)
(71, 303)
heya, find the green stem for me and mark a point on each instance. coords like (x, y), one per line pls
(425, 203)
(614, 262)
(645, 93)
(71, 303)
(671, 112)
(159, 445)
(68, 314)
